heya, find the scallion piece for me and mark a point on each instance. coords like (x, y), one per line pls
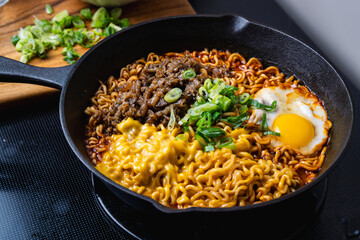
(202, 139)
(60, 16)
(86, 13)
(244, 98)
(172, 120)
(116, 12)
(124, 23)
(271, 133)
(173, 95)
(49, 9)
(196, 111)
(78, 22)
(208, 84)
(70, 55)
(99, 18)
(209, 148)
(15, 39)
(227, 142)
(180, 137)
(184, 119)
(263, 122)
(213, 132)
(203, 92)
(216, 89)
(190, 73)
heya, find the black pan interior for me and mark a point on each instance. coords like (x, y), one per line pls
(196, 33)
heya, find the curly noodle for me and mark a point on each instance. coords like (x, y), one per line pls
(221, 178)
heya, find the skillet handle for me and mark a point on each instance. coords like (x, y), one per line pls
(14, 71)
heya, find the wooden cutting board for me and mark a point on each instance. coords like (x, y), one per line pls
(19, 13)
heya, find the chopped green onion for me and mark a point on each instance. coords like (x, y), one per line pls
(224, 103)
(86, 13)
(209, 148)
(116, 12)
(212, 132)
(97, 31)
(49, 9)
(196, 111)
(173, 95)
(190, 73)
(180, 137)
(216, 89)
(217, 80)
(208, 84)
(172, 120)
(202, 139)
(24, 33)
(244, 98)
(45, 25)
(70, 55)
(215, 116)
(227, 142)
(199, 101)
(263, 122)
(37, 31)
(271, 133)
(203, 93)
(205, 121)
(124, 23)
(271, 107)
(78, 22)
(229, 90)
(60, 16)
(15, 39)
(99, 18)
(268, 108)
(184, 119)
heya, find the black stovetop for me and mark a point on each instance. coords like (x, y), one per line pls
(46, 193)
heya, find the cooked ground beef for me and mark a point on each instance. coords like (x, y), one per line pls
(143, 99)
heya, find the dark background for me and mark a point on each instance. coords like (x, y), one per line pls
(46, 193)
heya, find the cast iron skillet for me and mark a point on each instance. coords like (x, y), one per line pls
(79, 82)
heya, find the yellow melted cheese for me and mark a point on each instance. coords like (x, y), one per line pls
(178, 173)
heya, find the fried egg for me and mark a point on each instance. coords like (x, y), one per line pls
(299, 117)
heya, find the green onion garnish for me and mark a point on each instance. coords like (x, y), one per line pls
(15, 39)
(213, 132)
(226, 142)
(86, 13)
(180, 137)
(196, 111)
(268, 108)
(244, 98)
(99, 18)
(172, 120)
(263, 122)
(203, 93)
(60, 16)
(208, 84)
(173, 95)
(78, 22)
(190, 73)
(70, 55)
(116, 12)
(209, 148)
(271, 133)
(49, 9)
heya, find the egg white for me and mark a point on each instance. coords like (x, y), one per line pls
(294, 100)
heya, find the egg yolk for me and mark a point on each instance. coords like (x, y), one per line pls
(294, 130)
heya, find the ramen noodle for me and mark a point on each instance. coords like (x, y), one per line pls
(129, 139)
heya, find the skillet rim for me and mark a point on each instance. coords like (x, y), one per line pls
(169, 210)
